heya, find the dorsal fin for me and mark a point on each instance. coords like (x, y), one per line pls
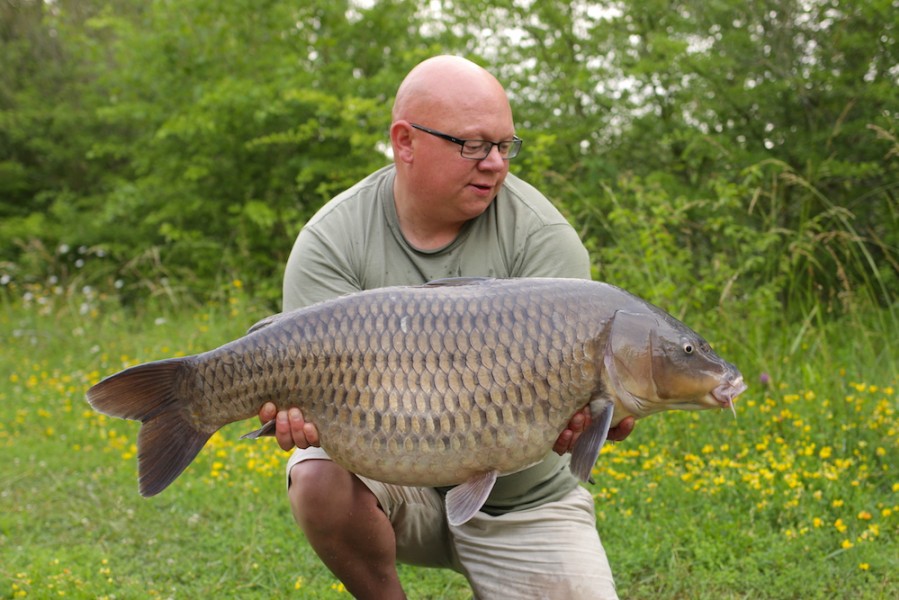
(458, 281)
(263, 323)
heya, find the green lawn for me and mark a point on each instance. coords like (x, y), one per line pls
(796, 498)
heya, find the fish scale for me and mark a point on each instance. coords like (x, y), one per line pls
(454, 382)
(385, 351)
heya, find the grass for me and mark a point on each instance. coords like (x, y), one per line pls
(797, 498)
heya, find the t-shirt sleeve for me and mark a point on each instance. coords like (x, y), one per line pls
(554, 250)
(329, 256)
(544, 243)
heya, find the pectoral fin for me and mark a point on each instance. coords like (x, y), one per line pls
(266, 430)
(587, 447)
(463, 501)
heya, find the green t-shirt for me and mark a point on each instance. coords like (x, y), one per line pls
(354, 243)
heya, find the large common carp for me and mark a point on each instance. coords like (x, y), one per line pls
(453, 382)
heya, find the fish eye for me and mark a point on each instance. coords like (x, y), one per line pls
(688, 348)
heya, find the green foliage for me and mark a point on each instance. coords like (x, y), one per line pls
(711, 114)
(721, 159)
(209, 132)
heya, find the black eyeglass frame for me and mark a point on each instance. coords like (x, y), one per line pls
(514, 145)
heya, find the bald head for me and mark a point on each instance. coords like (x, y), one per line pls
(437, 190)
(445, 86)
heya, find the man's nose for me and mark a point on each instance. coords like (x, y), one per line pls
(493, 161)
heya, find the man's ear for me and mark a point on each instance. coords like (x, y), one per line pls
(401, 139)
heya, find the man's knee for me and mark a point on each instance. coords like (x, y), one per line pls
(313, 477)
(322, 492)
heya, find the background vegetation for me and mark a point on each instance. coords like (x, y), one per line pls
(734, 162)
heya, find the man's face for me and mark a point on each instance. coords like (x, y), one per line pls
(453, 188)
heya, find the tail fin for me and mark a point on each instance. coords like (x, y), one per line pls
(149, 393)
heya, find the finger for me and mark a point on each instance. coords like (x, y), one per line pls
(563, 442)
(577, 422)
(297, 428)
(267, 412)
(282, 431)
(587, 418)
(311, 434)
(622, 430)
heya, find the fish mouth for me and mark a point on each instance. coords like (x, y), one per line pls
(725, 393)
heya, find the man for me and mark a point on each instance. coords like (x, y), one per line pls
(447, 207)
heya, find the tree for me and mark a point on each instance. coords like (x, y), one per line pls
(748, 149)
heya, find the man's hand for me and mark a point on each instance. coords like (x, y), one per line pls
(622, 430)
(580, 422)
(290, 427)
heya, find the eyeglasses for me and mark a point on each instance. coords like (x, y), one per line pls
(478, 149)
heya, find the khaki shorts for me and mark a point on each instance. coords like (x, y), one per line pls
(550, 551)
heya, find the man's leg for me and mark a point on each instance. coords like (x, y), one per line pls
(551, 551)
(346, 528)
